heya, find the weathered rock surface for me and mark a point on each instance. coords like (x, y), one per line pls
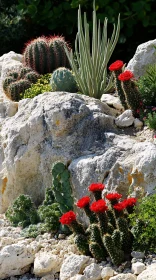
(144, 56)
(125, 119)
(112, 101)
(149, 273)
(92, 271)
(127, 276)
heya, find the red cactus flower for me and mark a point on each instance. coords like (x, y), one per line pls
(96, 187)
(84, 201)
(130, 202)
(67, 218)
(99, 206)
(117, 65)
(120, 206)
(125, 76)
(113, 196)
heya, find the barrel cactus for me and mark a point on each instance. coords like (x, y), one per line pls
(16, 89)
(62, 79)
(45, 54)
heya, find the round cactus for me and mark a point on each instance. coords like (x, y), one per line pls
(24, 71)
(13, 74)
(62, 79)
(8, 80)
(17, 88)
(45, 54)
(32, 77)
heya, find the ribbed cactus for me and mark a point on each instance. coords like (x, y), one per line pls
(117, 255)
(16, 89)
(17, 82)
(96, 245)
(62, 79)
(61, 187)
(45, 54)
(126, 235)
(82, 244)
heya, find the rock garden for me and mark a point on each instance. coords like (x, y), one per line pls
(78, 159)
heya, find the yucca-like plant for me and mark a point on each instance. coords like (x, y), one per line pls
(90, 67)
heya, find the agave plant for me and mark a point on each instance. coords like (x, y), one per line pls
(89, 62)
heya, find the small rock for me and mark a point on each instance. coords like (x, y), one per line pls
(48, 277)
(112, 100)
(125, 119)
(78, 277)
(106, 273)
(138, 124)
(92, 272)
(127, 276)
(61, 236)
(148, 274)
(138, 267)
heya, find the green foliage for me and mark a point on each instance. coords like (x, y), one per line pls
(147, 86)
(50, 215)
(61, 187)
(42, 85)
(91, 72)
(144, 226)
(45, 54)
(150, 121)
(22, 212)
(32, 231)
(62, 79)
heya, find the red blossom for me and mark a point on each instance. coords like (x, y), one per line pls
(117, 65)
(138, 111)
(130, 202)
(68, 218)
(125, 76)
(120, 206)
(113, 196)
(99, 206)
(83, 201)
(96, 187)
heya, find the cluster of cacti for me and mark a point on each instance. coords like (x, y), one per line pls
(17, 82)
(128, 92)
(109, 234)
(62, 79)
(61, 187)
(45, 54)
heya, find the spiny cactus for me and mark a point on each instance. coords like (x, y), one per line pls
(61, 187)
(62, 79)
(13, 74)
(8, 80)
(115, 253)
(96, 245)
(82, 244)
(15, 89)
(24, 71)
(32, 77)
(126, 235)
(45, 54)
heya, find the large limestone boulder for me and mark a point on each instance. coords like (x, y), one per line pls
(145, 55)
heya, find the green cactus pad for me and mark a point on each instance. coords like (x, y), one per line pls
(82, 244)
(97, 251)
(117, 255)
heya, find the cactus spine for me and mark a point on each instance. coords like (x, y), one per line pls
(96, 245)
(120, 90)
(45, 54)
(115, 253)
(62, 79)
(16, 89)
(82, 244)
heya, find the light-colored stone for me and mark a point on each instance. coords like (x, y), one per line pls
(73, 265)
(125, 119)
(138, 267)
(138, 255)
(112, 100)
(106, 273)
(78, 277)
(16, 259)
(46, 262)
(48, 277)
(92, 272)
(144, 55)
(122, 276)
(138, 124)
(9, 61)
(149, 273)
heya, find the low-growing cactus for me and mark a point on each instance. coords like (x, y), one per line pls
(15, 89)
(117, 255)
(32, 77)
(62, 79)
(82, 244)
(7, 82)
(24, 71)
(45, 54)
(61, 187)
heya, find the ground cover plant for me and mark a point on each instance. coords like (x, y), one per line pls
(42, 85)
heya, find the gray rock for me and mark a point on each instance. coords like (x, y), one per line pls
(144, 56)
(138, 255)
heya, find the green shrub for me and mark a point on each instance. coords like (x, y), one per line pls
(144, 225)
(147, 86)
(41, 86)
(49, 216)
(151, 120)
(22, 212)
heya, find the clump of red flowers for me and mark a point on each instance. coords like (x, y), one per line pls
(99, 206)
(130, 202)
(126, 76)
(94, 187)
(84, 201)
(117, 65)
(120, 206)
(68, 218)
(113, 196)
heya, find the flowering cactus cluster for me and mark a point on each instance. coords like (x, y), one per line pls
(109, 233)
(127, 90)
